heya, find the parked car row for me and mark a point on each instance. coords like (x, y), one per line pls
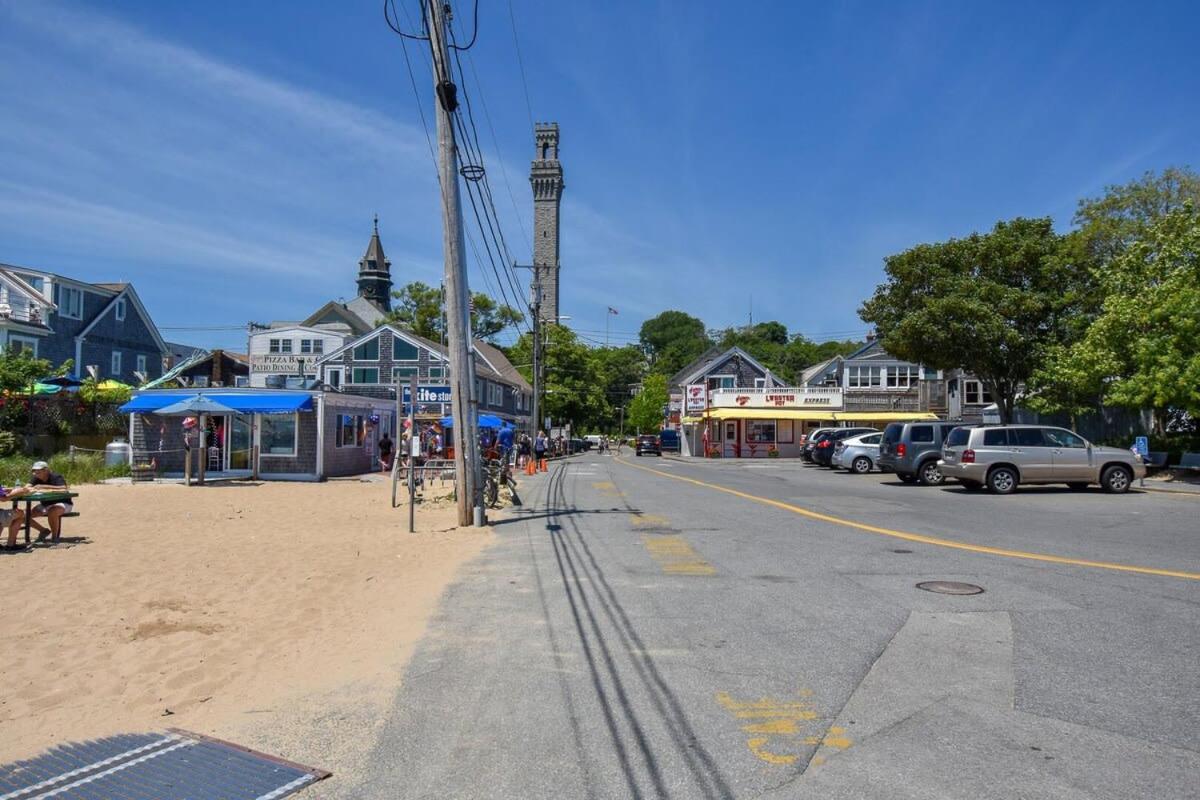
(998, 458)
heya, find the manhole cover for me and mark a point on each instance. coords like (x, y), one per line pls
(950, 587)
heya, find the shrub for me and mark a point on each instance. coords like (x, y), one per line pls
(83, 468)
(8, 443)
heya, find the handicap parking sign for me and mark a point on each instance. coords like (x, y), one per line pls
(1141, 446)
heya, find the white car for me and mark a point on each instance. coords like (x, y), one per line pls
(858, 454)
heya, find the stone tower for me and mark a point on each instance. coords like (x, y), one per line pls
(546, 177)
(375, 273)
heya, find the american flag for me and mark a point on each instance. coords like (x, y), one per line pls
(612, 310)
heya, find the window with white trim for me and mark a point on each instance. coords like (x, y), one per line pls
(438, 372)
(495, 395)
(863, 377)
(364, 375)
(22, 344)
(116, 363)
(902, 377)
(277, 435)
(367, 351)
(721, 381)
(119, 311)
(406, 371)
(760, 431)
(285, 345)
(975, 393)
(141, 363)
(306, 345)
(318, 346)
(760, 383)
(70, 303)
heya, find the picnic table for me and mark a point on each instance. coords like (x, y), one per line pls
(42, 497)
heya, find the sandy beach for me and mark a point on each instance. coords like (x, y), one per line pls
(277, 615)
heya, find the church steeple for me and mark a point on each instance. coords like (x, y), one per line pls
(375, 273)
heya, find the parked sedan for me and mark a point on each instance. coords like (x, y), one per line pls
(823, 452)
(1001, 457)
(859, 454)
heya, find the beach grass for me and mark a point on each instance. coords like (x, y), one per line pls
(83, 468)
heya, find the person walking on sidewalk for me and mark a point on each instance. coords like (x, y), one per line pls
(539, 447)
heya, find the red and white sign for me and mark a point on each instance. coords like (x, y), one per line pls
(791, 397)
(695, 397)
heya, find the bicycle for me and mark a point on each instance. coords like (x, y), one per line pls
(497, 473)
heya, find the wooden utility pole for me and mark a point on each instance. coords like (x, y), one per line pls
(535, 314)
(458, 323)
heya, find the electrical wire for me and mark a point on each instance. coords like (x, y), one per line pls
(391, 4)
(474, 33)
(520, 63)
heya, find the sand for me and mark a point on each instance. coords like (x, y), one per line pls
(274, 614)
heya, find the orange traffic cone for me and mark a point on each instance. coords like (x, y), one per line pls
(543, 466)
(530, 467)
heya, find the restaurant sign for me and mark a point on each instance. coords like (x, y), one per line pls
(279, 364)
(776, 398)
(696, 397)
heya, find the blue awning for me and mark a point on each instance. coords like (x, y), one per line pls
(243, 402)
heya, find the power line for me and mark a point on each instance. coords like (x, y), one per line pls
(390, 4)
(521, 63)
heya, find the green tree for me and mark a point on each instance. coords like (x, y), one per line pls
(21, 370)
(672, 340)
(991, 304)
(573, 389)
(621, 369)
(1125, 213)
(417, 307)
(1143, 350)
(646, 410)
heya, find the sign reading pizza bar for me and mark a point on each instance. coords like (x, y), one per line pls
(695, 397)
(775, 398)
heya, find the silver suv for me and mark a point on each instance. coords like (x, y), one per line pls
(1000, 457)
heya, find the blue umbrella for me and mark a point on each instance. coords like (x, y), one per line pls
(485, 421)
(194, 406)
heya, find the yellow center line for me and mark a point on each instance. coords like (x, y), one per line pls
(921, 538)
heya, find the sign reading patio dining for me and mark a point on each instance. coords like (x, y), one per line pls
(277, 364)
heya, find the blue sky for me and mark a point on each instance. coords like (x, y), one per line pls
(227, 157)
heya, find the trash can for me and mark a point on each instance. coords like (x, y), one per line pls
(118, 452)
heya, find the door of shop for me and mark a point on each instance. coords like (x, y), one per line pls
(732, 439)
(240, 438)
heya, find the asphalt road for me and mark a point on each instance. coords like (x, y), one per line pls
(637, 632)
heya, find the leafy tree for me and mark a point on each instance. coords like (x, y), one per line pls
(418, 308)
(1144, 348)
(574, 390)
(621, 369)
(646, 410)
(990, 304)
(19, 371)
(490, 317)
(672, 340)
(1110, 224)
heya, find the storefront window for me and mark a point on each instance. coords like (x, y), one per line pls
(760, 431)
(902, 377)
(348, 429)
(278, 435)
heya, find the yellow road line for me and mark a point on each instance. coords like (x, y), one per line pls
(923, 539)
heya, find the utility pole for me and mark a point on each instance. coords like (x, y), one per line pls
(535, 313)
(458, 325)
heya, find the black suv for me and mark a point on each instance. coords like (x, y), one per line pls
(647, 443)
(912, 449)
(822, 452)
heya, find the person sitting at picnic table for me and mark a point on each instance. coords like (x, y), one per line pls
(41, 480)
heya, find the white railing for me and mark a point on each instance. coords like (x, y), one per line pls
(19, 310)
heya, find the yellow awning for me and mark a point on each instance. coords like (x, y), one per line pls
(883, 416)
(771, 413)
(692, 420)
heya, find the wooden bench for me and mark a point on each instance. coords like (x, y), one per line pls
(1189, 463)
